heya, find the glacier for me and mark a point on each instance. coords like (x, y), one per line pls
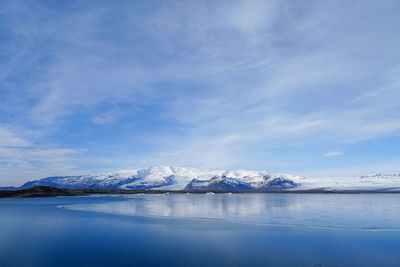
(183, 178)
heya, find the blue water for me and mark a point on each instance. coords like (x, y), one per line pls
(202, 230)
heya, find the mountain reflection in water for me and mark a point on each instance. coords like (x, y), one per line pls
(350, 211)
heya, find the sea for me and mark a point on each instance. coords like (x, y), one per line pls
(252, 229)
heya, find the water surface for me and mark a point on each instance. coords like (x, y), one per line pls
(202, 230)
(348, 211)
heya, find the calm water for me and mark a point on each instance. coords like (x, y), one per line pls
(202, 230)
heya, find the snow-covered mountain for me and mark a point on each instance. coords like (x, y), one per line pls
(230, 184)
(382, 176)
(367, 182)
(178, 178)
(173, 178)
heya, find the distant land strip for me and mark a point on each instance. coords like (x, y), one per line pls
(47, 191)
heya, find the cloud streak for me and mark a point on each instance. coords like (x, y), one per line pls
(334, 154)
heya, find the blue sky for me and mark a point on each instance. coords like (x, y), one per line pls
(305, 87)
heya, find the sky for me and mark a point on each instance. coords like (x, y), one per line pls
(302, 87)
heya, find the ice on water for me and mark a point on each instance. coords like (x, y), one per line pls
(344, 211)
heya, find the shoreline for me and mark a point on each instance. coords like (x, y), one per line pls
(47, 191)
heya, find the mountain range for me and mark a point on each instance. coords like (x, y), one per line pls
(180, 178)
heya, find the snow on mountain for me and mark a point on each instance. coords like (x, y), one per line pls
(247, 183)
(368, 182)
(178, 178)
(218, 183)
(162, 177)
(382, 175)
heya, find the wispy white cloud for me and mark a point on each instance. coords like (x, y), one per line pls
(22, 156)
(333, 154)
(356, 170)
(10, 139)
(105, 118)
